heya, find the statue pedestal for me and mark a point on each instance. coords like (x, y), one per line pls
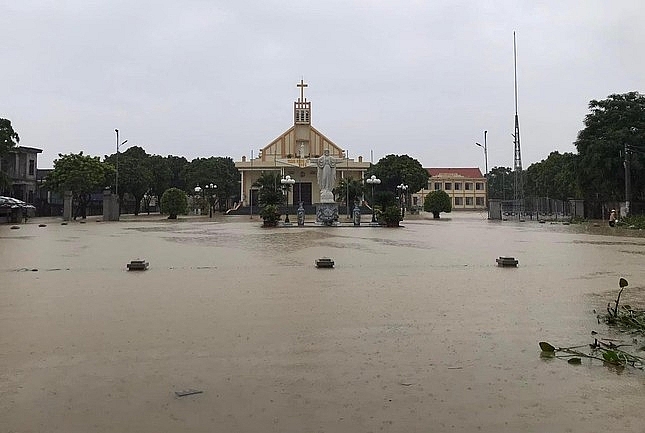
(327, 214)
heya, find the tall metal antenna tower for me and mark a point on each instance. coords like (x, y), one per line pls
(518, 188)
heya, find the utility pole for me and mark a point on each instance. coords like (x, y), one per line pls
(628, 179)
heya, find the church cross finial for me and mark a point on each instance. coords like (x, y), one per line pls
(302, 86)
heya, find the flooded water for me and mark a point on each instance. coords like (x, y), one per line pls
(415, 330)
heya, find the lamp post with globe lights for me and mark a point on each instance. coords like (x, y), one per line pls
(210, 191)
(402, 189)
(287, 181)
(373, 180)
(198, 190)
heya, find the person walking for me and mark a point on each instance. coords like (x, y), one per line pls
(612, 218)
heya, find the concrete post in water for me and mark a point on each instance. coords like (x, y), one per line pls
(110, 206)
(67, 206)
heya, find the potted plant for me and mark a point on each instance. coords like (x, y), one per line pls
(270, 215)
(390, 217)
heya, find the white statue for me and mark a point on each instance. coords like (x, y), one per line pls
(326, 176)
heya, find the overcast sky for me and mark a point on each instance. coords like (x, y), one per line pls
(218, 78)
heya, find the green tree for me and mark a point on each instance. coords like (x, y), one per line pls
(349, 187)
(270, 189)
(174, 202)
(80, 174)
(135, 173)
(396, 169)
(612, 125)
(437, 202)
(161, 178)
(8, 140)
(8, 137)
(177, 166)
(554, 177)
(220, 171)
(500, 183)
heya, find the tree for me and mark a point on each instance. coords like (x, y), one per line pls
(80, 174)
(177, 165)
(8, 140)
(135, 173)
(554, 177)
(500, 183)
(349, 188)
(220, 171)
(173, 202)
(396, 169)
(8, 137)
(436, 202)
(270, 189)
(161, 178)
(614, 124)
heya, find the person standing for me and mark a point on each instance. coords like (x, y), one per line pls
(612, 218)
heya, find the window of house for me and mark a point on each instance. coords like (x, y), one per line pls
(458, 201)
(457, 186)
(469, 201)
(468, 186)
(32, 167)
(479, 186)
(447, 186)
(437, 186)
(479, 201)
(415, 201)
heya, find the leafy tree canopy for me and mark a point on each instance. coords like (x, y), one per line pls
(553, 177)
(135, 173)
(174, 202)
(436, 202)
(270, 189)
(612, 124)
(500, 183)
(396, 169)
(8, 137)
(349, 187)
(81, 174)
(220, 171)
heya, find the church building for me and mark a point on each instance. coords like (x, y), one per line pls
(295, 153)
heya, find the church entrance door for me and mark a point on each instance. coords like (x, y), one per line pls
(302, 193)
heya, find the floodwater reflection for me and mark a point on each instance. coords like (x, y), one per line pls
(415, 329)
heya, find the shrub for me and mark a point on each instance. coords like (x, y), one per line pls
(437, 202)
(270, 215)
(173, 202)
(391, 216)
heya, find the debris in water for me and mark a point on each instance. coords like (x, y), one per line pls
(187, 392)
(137, 265)
(324, 262)
(506, 261)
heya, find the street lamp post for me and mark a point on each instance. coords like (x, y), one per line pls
(402, 188)
(210, 189)
(117, 159)
(485, 147)
(373, 180)
(287, 181)
(198, 189)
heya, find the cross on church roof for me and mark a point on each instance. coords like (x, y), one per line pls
(302, 86)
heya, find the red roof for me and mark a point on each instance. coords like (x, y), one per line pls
(471, 173)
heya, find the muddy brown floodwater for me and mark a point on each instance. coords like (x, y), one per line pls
(414, 330)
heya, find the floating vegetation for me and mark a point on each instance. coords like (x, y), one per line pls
(605, 351)
(625, 319)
